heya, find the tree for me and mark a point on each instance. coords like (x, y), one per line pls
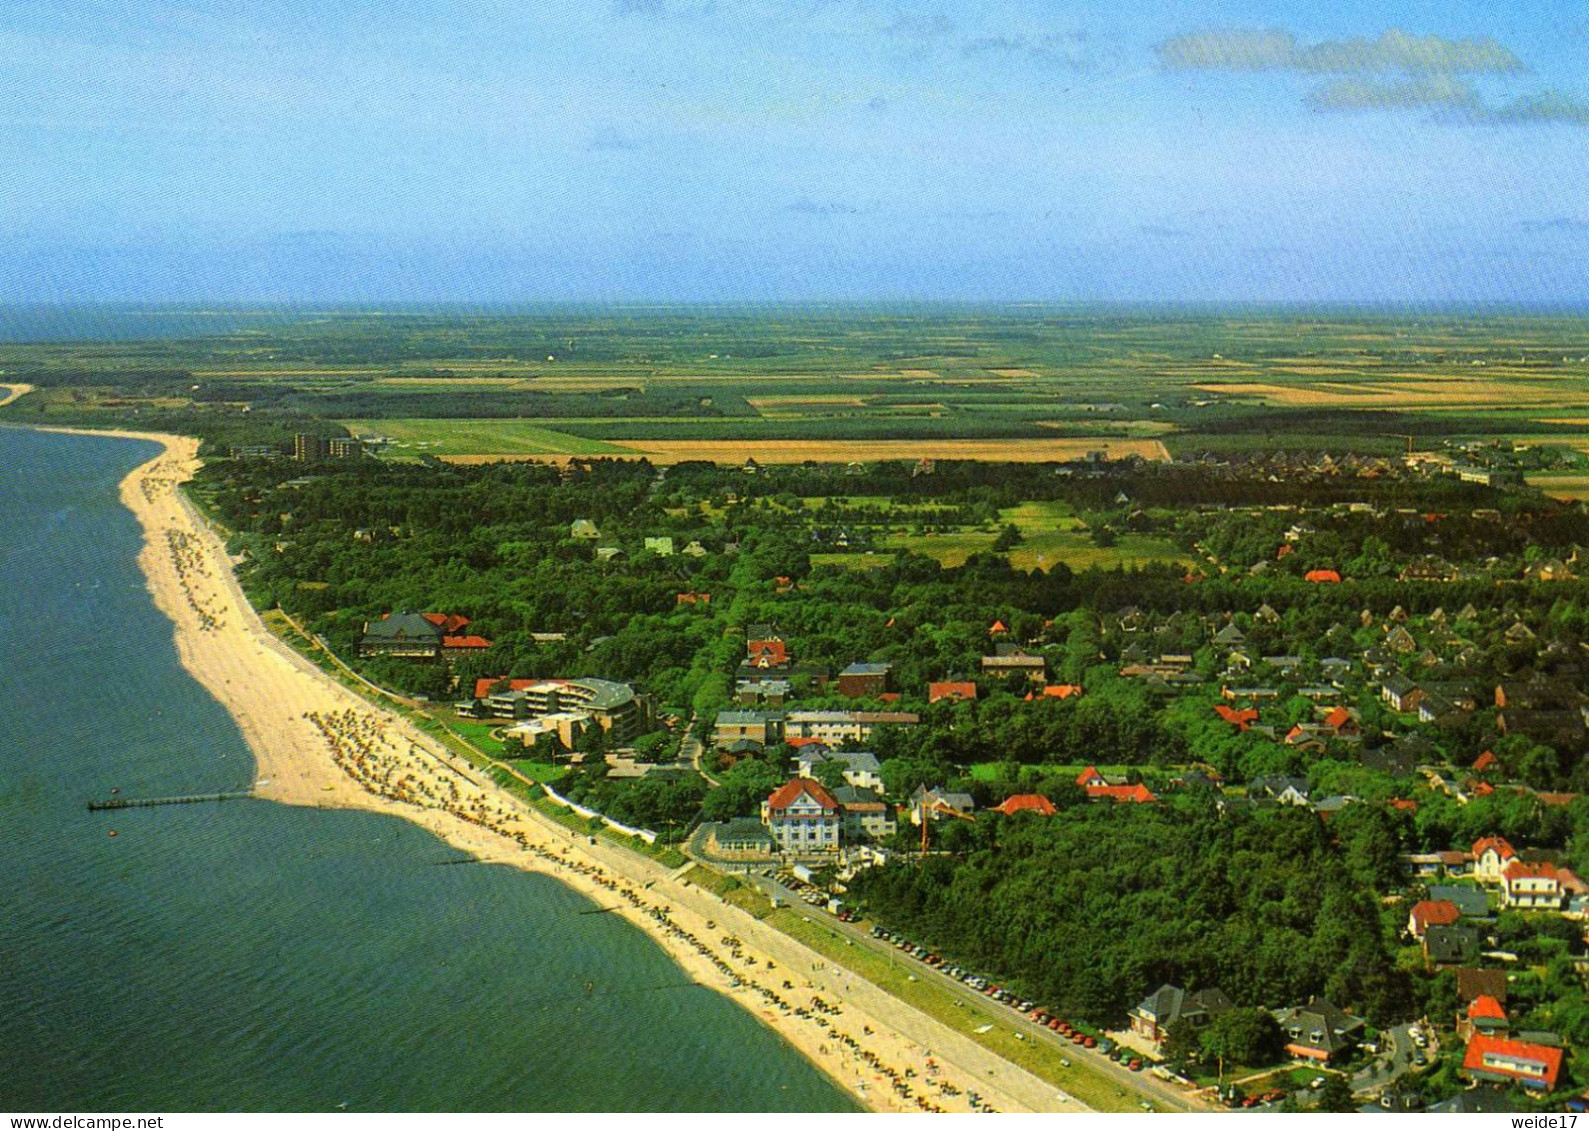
(1244, 1036)
(1336, 1094)
(830, 773)
(1008, 539)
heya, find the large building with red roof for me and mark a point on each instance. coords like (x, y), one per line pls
(1498, 1060)
(1531, 886)
(1428, 913)
(803, 818)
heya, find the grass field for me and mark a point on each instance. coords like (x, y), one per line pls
(469, 437)
(1080, 1079)
(1571, 487)
(1041, 551)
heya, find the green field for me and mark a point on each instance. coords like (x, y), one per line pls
(473, 437)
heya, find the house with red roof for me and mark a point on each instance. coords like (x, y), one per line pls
(1498, 1060)
(1322, 576)
(1099, 788)
(1486, 762)
(996, 628)
(1026, 803)
(803, 818)
(1485, 1016)
(1531, 886)
(1240, 719)
(1058, 691)
(1343, 723)
(1428, 913)
(1491, 855)
(957, 689)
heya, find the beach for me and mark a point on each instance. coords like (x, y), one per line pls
(317, 743)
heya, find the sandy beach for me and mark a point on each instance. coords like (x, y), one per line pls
(318, 744)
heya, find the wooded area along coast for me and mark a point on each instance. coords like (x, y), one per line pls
(317, 743)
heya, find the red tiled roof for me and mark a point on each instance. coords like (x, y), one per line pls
(1241, 719)
(963, 689)
(998, 626)
(1406, 804)
(1061, 690)
(1522, 870)
(1324, 575)
(1338, 718)
(465, 642)
(1089, 774)
(789, 792)
(449, 623)
(1486, 1007)
(1486, 761)
(1499, 843)
(1547, 1058)
(1285, 550)
(1433, 913)
(482, 687)
(1138, 793)
(1026, 803)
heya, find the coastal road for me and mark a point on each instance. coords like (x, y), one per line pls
(1164, 1096)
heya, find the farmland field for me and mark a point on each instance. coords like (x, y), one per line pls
(827, 383)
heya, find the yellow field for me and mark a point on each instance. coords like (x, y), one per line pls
(759, 403)
(859, 451)
(1568, 487)
(1012, 372)
(1409, 392)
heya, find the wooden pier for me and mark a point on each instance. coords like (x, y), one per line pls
(150, 802)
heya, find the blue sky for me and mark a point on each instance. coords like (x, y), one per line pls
(753, 150)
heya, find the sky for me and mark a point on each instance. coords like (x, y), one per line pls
(794, 150)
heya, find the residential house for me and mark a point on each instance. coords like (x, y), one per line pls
(584, 529)
(962, 689)
(1401, 693)
(743, 838)
(1492, 855)
(1484, 1016)
(860, 767)
(864, 681)
(1099, 788)
(1472, 982)
(1057, 691)
(1280, 788)
(767, 728)
(937, 802)
(1319, 1031)
(1451, 944)
(1170, 1005)
(863, 815)
(1010, 660)
(837, 727)
(755, 692)
(803, 818)
(1427, 913)
(1470, 901)
(1534, 886)
(1499, 1060)
(1026, 803)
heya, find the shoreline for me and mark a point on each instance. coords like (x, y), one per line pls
(316, 743)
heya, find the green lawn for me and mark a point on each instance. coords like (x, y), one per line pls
(414, 437)
(1080, 1079)
(1038, 551)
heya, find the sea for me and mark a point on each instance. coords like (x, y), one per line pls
(250, 956)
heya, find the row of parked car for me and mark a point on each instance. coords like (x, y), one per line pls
(1035, 1013)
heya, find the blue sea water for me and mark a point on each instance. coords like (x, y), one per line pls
(249, 956)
